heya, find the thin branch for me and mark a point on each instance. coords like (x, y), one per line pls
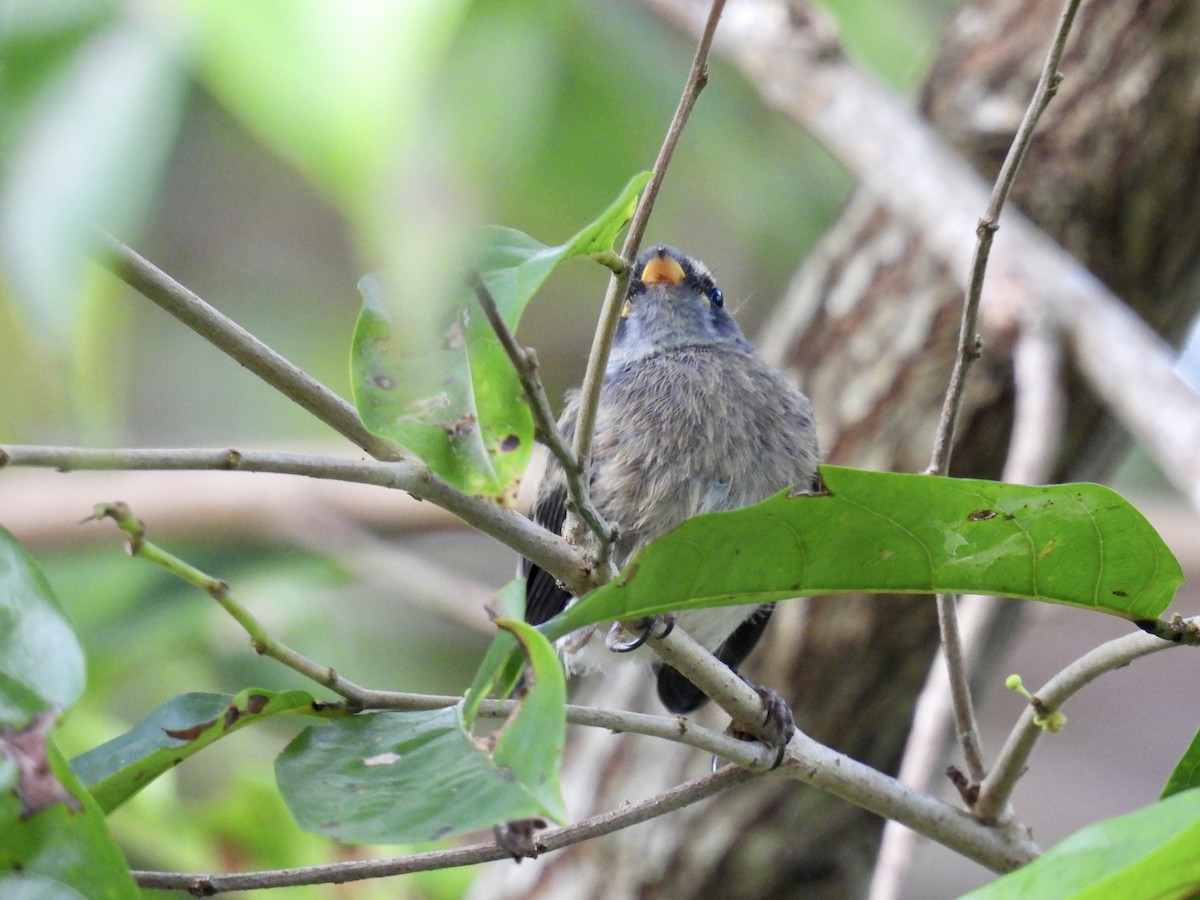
(229, 337)
(525, 363)
(968, 340)
(997, 788)
(618, 285)
(547, 550)
(1033, 447)
(969, 351)
(204, 885)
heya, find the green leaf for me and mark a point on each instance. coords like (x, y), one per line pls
(180, 728)
(509, 604)
(1148, 853)
(532, 741)
(1186, 774)
(878, 532)
(41, 662)
(437, 380)
(396, 778)
(62, 849)
(418, 776)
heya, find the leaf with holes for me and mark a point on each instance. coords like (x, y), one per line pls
(438, 381)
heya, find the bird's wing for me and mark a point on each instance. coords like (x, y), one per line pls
(544, 597)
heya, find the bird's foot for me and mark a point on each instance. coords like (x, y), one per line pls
(641, 630)
(778, 724)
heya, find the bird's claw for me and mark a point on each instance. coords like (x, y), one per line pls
(644, 628)
(778, 725)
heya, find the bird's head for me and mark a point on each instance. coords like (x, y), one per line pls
(672, 303)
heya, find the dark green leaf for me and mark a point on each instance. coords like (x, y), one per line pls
(183, 726)
(878, 532)
(61, 850)
(41, 662)
(1148, 853)
(438, 381)
(1186, 774)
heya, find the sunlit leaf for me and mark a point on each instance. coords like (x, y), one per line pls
(439, 382)
(1148, 853)
(876, 532)
(41, 662)
(180, 728)
(509, 604)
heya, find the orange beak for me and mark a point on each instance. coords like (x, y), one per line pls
(663, 269)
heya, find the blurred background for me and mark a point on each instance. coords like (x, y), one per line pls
(267, 155)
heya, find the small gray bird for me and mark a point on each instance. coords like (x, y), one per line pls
(690, 421)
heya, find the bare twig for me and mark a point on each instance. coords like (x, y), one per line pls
(997, 787)
(204, 885)
(968, 340)
(618, 285)
(968, 351)
(525, 363)
(509, 527)
(1033, 448)
(229, 337)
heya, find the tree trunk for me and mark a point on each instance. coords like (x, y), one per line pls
(869, 329)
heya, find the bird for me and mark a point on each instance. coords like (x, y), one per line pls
(690, 420)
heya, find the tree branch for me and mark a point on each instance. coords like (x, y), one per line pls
(204, 885)
(525, 363)
(997, 787)
(230, 338)
(509, 527)
(618, 285)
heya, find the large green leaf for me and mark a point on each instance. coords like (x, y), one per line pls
(438, 381)
(879, 532)
(1148, 853)
(180, 728)
(493, 671)
(62, 848)
(41, 662)
(418, 776)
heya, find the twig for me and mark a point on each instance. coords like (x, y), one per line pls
(203, 885)
(1033, 448)
(968, 340)
(525, 363)
(968, 352)
(997, 787)
(229, 337)
(618, 285)
(509, 527)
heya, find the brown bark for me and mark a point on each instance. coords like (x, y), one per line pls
(1115, 177)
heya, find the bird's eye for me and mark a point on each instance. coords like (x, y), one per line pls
(716, 297)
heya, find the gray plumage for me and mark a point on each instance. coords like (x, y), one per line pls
(690, 420)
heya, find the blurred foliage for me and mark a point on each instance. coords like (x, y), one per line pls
(267, 155)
